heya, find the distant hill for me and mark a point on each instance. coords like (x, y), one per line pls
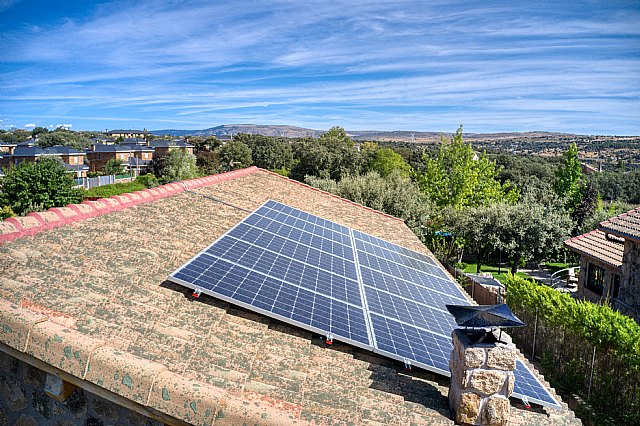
(254, 129)
(301, 132)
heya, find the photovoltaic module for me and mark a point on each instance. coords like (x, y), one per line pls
(341, 283)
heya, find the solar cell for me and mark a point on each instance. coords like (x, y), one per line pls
(330, 279)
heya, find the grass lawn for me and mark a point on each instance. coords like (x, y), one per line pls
(502, 276)
(554, 267)
(114, 189)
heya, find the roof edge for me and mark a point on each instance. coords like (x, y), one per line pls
(38, 339)
(567, 244)
(36, 222)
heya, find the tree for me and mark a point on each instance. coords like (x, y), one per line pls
(271, 153)
(208, 162)
(586, 208)
(176, 165)
(478, 229)
(38, 186)
(39, 130)
(333, 155)
(568, 183)
(386, 160)
(533, 229)
(113, 167)
(458, 177)
(235, 155)
(395, 195)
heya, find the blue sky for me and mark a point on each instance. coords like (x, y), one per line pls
(393, 65)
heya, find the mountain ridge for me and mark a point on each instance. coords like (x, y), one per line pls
(302, 132)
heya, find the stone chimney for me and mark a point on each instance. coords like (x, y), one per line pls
(481, 378)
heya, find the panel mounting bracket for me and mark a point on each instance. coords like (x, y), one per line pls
(407, 364)
(329, 340)
(526, 403)
(196, 292)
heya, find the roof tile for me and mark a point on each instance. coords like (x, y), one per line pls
(626, 225)
(596, 245)
(123, 373)
(62, 347)
(16, 324)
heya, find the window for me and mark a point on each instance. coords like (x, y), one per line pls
(595, 279)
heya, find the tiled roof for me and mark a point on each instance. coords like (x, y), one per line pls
(30, 151)
(204, 361)
(626, 225)
(163, 143)
(595, 245)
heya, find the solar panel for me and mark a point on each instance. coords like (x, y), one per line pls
(339, 282)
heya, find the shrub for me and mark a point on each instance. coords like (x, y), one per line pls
(38, 186)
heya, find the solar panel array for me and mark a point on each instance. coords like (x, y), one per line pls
(342, 283)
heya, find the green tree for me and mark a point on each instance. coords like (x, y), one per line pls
(39, 130)
(458, 177)
(235, 155)
(395, 195)
(568, 183)
(38, 186)
(113, 167)
(271, 153)
(386, 160)
(333, 155)
(208, 162)
(176, 165)
(534, 228)
(477, 229)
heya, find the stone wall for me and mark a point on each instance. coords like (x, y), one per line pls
(23, 402)
(630, 285)
(482, 380)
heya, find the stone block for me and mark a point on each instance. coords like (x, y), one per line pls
(468, 408)
(12, 393)
(510, 381)
(487, 381)
(26, 420)
(105, 409)
(502, 357)
(474, 357)
(495, 412)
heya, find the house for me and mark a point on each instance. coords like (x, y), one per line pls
(610, 262)
(114, 134)
(135, 157)
(7, 147)
(163, 146)
(71, 157)
(103, 317)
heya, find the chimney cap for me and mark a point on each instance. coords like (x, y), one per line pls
(484, 316)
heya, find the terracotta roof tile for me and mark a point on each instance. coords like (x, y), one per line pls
(595, 244)
(626, 225)
(145, 338)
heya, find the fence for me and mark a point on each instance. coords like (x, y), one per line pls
(88, 183)
(481, 294)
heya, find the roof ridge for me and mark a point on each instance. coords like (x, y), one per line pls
(36, 222)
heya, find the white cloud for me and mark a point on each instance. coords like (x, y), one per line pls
(64, 126)
(29, 126)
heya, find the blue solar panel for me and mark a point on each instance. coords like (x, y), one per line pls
(330, 279)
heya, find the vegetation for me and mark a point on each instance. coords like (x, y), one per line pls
(585, 348)
(113, 167)
(458, 177)
(140, 183)
(37, 186)
(235, 155)
(176, 165)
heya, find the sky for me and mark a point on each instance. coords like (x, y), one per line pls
(493, 66)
